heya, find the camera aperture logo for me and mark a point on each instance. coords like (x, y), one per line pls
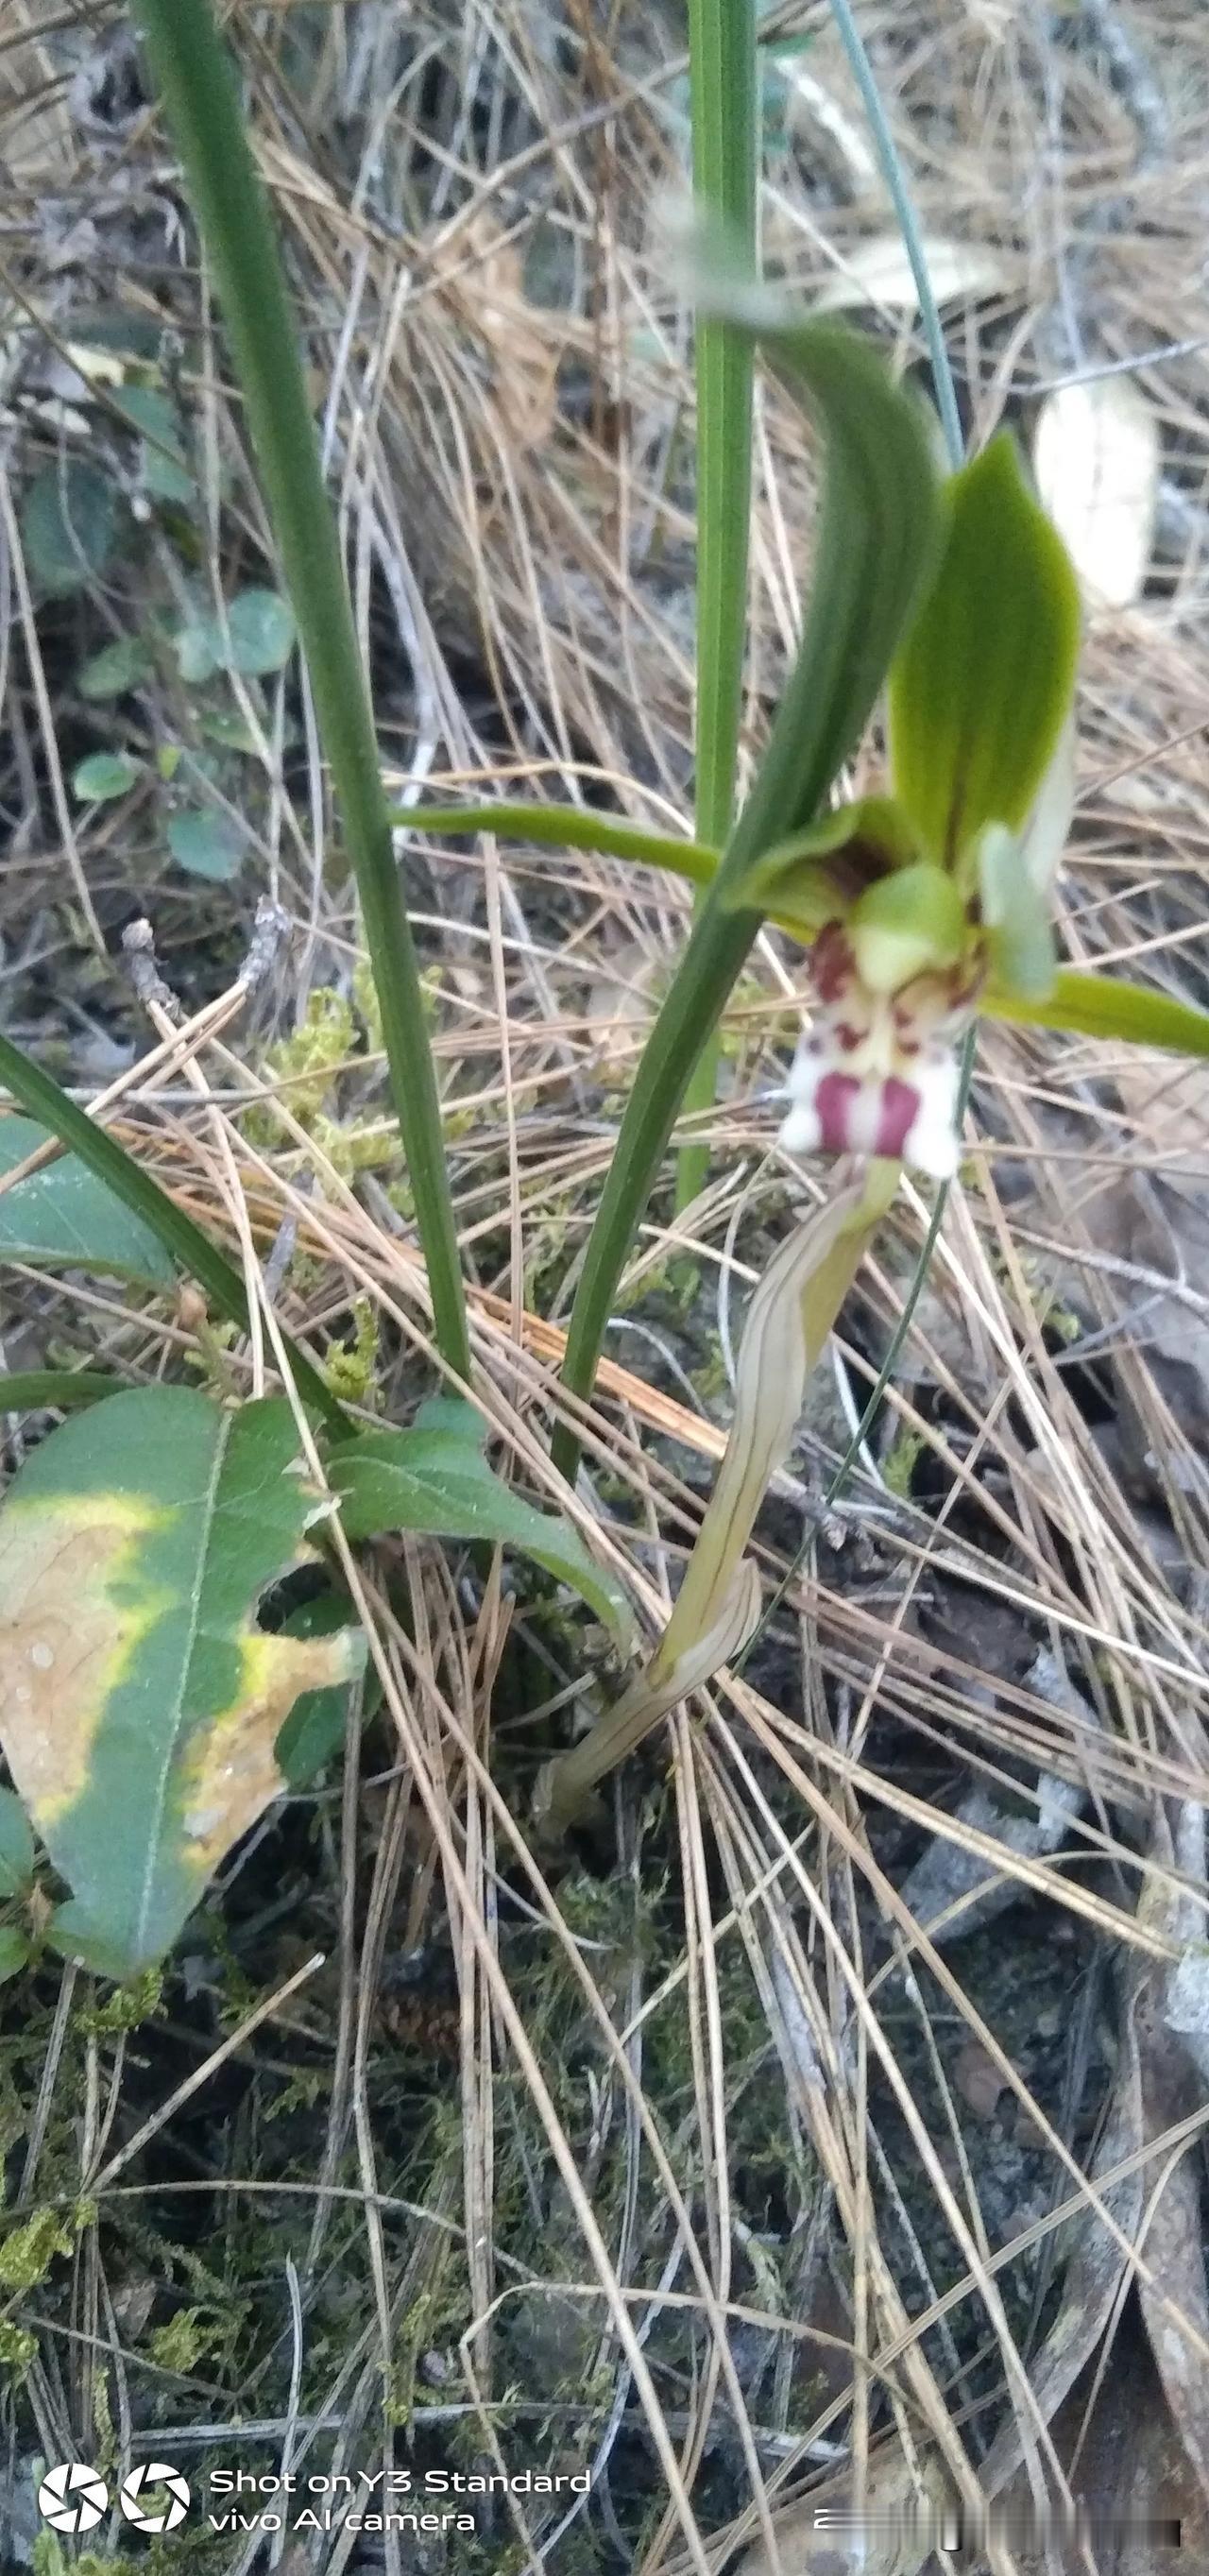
(155, 2497)
(74, 2498)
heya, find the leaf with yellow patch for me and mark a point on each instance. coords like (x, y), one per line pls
(140, 1704)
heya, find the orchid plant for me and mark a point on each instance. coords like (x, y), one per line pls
(921, 907)
(920, 904)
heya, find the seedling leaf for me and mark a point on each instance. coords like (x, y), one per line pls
(105, 775)
(117, 667)
(434, 1478)
(140, 1705)
(68, 526)
(206, 844)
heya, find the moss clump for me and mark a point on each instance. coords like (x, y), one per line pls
(26, 2256)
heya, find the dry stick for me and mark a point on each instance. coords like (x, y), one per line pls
(172, 1055)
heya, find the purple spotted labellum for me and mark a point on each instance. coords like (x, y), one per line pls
(877, 1073)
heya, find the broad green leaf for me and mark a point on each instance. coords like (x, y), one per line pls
(14, 1952)
(207, 844)
(115, 669)
(261, 632)
(981, 690)
(139, 1703)
(434, 1478)
(104, 775)
(1099, 1006)
(69, 523)
(314, 1730)
(565, 827)
(16, 1845)
(63, 1217)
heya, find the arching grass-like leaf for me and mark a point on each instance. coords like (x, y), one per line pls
(140, 1705)
(877, 543)
(566, 827)
(63, 1217)
(434, 1478)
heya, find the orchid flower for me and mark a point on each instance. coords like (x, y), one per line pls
(919, 902)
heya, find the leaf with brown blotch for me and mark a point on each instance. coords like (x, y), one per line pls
(140, 1704)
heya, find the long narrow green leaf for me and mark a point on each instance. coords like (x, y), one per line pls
(567, 827)
(38, 1092)
(1098, 1006)
(54, 1390)
(195, 78)
(723, 89)
(877, 540)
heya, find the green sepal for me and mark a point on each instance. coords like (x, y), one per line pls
(981, 688)
(1019, 933)
(909, 924)
(1099, 1006)
(816, 876)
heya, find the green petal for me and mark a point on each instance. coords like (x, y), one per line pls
(816, 876)
(1098, 1006)
(912, 922)
(982, 687)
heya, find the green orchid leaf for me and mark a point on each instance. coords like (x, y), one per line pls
(64, 1217)
(1099, 1006)
(140, 1704)
(878, 540)
(54, 1390)
(817, 875)
(981, 690)
(565, 827)
(435, 1479)
(908, 924)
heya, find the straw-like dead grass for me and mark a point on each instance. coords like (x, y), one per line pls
(694, 2158)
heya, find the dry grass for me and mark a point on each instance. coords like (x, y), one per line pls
(693, 2171)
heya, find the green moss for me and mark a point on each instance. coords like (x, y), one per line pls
(349, 1368)
(18, 2348)
(26, 2256)
(899, 1464)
